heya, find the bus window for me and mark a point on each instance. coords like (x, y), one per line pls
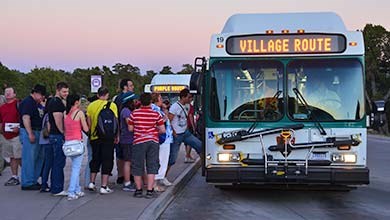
(247, 90)
(332, 88)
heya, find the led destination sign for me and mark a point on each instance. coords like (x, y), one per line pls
(167, 88)
(286, 44)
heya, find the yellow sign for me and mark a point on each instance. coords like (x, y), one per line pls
(286, 44)
(168, 88)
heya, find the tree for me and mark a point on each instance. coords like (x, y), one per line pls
(187, 69)
(166, 70)
(377, 48)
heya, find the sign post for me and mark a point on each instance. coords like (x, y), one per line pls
(96, 83)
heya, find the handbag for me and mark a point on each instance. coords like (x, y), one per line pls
(73, 148)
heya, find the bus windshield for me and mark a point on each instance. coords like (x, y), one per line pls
(247, 90)
(332, 88)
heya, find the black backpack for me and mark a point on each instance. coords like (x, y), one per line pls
(107, 124)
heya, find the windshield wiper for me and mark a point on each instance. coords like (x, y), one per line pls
(277, 94)
(224, 106)
(302, 99)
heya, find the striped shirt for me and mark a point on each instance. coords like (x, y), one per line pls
(145, 122)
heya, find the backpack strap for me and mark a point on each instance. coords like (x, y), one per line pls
(108, 105)
(185, 113)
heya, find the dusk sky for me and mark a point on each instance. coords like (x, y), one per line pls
(66, 34)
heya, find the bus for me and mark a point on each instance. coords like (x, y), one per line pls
(168, 85)
(282, 101)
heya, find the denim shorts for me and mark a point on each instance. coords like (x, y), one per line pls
(148, 151)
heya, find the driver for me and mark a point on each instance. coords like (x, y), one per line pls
(323, 98)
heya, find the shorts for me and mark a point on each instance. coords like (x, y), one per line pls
(148, 151)
(126, 151)
(12, 148)
(118, 152)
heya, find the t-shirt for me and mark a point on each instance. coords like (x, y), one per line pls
(30, 107)
(145, 121)
(93, 111)
(118, 101)
(168, 128)
(127, 136)
(179, 121)
(54, 105)
(9, 114)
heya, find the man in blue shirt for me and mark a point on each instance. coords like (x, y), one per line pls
(30, 127)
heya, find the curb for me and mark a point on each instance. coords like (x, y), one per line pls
(158, 206)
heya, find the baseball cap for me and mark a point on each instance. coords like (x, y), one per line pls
(129, 96)
(41, 89)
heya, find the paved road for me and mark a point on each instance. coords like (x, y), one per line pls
(202, 201)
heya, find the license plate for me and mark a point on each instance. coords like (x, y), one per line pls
(319, 156)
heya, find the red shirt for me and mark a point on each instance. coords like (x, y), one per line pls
(145, 122)
(9, 114)
(191, 112)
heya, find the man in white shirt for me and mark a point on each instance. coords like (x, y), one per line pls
(178, 114)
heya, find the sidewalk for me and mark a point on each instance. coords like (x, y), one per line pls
(17, 204)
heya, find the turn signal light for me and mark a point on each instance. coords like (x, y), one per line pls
(229, 147)
(344, 147)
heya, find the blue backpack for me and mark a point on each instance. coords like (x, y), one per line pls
(107, 125)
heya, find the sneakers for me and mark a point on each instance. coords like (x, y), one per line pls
(105, 190)
(166, 182)
(80, 194)
(91, 187)
(129, 188)
(72, 197)
(150, 194)
(159, 188)
(75, 196)
(62, 193)
(12, 182)
(189, 160)
(138, 193)
(45, 189)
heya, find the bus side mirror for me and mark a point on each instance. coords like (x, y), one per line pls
(196, 76)
(195, 83)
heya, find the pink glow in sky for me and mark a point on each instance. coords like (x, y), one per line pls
(148, 34)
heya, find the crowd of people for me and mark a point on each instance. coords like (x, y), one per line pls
(144, 133)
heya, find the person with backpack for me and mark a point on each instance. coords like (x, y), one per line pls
(56, 109)
(102, 118)
(9, 134)
(178, 115)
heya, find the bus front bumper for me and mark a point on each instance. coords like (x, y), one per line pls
(290, 175)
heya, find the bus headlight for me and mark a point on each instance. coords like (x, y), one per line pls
(228, 157)
(344, 158)
(349, 158)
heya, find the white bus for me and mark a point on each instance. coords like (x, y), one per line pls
(169, 85)
(283, 101)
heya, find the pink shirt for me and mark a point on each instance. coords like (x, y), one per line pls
(72, 128)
